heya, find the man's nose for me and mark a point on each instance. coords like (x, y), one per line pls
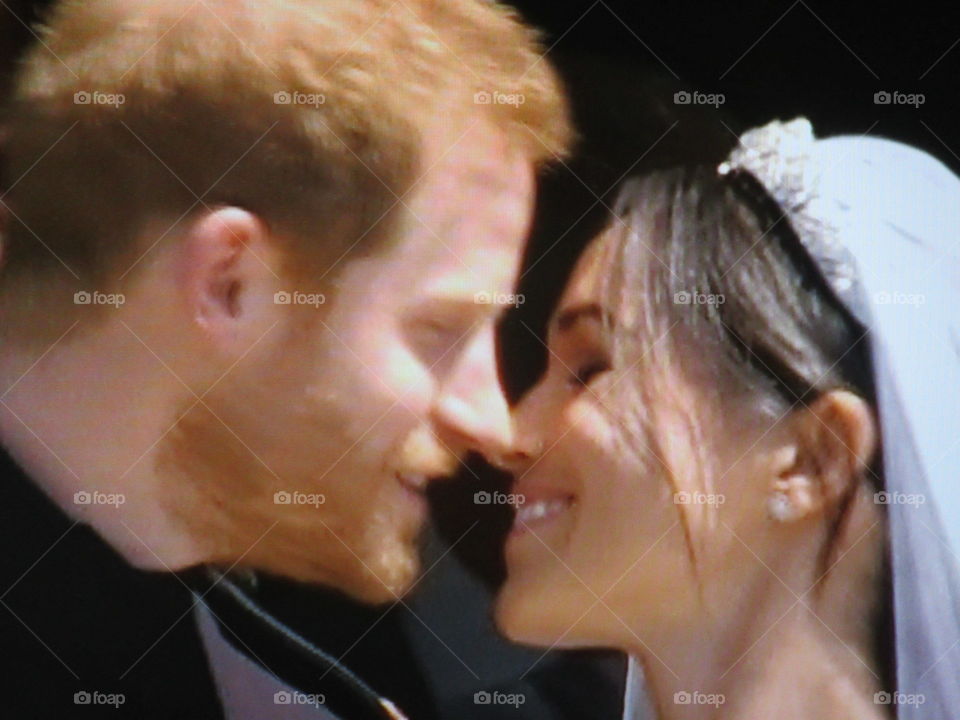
(471, 412)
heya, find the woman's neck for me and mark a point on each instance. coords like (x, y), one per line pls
(777, 661)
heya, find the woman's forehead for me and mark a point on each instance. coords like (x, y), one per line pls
(590, 281)
(586, 281)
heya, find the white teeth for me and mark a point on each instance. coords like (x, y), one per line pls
(533, 511)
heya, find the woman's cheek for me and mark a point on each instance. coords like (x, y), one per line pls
(609, 496)
(590, 425)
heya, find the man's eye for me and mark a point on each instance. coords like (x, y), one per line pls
(440, 330)
(436, 340)
(585, 373)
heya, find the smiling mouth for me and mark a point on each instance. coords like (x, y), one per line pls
(538, 512)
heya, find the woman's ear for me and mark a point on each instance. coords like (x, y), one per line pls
(829, 445)
(225, 274)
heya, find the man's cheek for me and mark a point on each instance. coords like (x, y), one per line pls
(389, 383)
(413, 381)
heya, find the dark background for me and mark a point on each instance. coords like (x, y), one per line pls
(623, 61)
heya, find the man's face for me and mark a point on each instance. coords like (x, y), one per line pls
(321, 445)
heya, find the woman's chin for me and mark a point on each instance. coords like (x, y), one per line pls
(541, 617)
(516, 617)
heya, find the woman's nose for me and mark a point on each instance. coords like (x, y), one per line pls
(527, 441)
(520, 455)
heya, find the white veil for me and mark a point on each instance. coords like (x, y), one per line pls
(882, 222)
(897, 213)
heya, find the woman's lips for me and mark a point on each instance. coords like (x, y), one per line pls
(534, 512)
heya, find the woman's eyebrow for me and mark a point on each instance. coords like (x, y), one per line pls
(568, 317)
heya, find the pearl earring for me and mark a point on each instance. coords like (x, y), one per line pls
(781, 508)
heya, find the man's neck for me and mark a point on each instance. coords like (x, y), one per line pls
(83, 417)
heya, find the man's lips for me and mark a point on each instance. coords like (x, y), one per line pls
(414, 482)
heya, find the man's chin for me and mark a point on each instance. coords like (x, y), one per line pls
(372, 578)
(386, 579)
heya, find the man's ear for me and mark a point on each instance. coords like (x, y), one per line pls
(4, 210)
(828, 446)
(225, 273)
(4, 229)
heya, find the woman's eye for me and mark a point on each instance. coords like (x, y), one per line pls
(586, 373)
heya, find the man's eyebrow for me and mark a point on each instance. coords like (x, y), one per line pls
(477, 306)
(570, 316)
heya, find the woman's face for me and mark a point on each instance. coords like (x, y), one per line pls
(601, 542)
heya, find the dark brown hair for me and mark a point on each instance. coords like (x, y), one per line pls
(731, 295)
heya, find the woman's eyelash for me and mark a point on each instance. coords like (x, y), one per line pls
(586, 373)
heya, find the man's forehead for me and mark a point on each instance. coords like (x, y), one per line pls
(472, 209)
(455, 280)
(470, 144)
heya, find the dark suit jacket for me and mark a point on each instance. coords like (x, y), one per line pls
(75, 618)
